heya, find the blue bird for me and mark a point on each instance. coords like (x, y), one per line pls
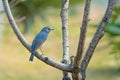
(39, 40)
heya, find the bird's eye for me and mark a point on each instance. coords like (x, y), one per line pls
(48, 28)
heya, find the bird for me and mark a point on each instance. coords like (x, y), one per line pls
(38, 41)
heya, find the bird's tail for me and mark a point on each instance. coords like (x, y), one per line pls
(31, 57)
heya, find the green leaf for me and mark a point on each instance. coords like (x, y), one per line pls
(113, 29)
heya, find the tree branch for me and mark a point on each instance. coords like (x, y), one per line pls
(64, 18)
(49, 61)
(82, 37)
(82, 34)
(17, 20)
(13, 3)
(98, 35)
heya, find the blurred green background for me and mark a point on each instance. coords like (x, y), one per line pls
(14, 58)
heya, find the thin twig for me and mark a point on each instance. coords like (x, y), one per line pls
(98, 35)
(49, 61)
(13, 3)
(17, 20)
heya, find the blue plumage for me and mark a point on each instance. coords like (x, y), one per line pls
(39, 40)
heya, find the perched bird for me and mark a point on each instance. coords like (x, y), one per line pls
(39, 40)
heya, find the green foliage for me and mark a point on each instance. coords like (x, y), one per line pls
(33, 8)
(113, 29)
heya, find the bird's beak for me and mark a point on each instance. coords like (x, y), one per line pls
(51, 29)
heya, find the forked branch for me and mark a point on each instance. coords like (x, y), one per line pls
(76, 66)
(78, 69)
(65, 43)
(98, 35)
(82, 34)
(49, 61)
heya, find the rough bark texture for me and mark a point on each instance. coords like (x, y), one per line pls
(76, 74)
(65, 43)
(47, 60)
(98, 35)
(64, 18)
(77, 67)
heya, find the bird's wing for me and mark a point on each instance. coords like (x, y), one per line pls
(33, 47)
(38, 41)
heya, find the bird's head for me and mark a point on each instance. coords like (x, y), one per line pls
(47, 29)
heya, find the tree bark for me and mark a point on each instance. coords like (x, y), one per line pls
(76, 74)
(97, 36)
(65, 43)
(45, 59)
(78, 65)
